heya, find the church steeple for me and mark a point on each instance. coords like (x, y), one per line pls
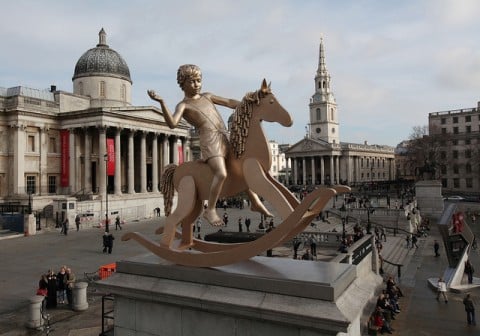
(323, 107)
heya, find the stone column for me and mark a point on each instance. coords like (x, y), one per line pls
(78, 153)
(131, 166)
(337, 169)
(88, 161)
(295, 171)
(332, 171)
(34, 319)
(155, 163)
(313, 169)
(175, 149)
(304, 171)
(19, 158)
(72, 174)
(44, 140)
(118, 168)
(322, 170)
(166, 150)
(143, 163)
(287, 173)
(102, 150)
(79, 294)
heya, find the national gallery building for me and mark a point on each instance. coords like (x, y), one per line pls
(321, 159)
(63, 152)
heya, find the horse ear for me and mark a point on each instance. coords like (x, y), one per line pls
(265, 87)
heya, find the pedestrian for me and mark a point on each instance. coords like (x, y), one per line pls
(382, 234)
(77, 222)
(436, 248)
(110, 239)
(247, 224)
(61, 285)
(65, 226)
(469, 271)
(240, 225)
(414, 241)
(117, 223)
(225, 219)
(313, 245)
(407, 238)
(470, 309)
(296, 244)
(105, 241)
(442, 289)
(52, 289)
(199, 224)
(70, 283)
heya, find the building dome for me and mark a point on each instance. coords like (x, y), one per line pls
(102, 61)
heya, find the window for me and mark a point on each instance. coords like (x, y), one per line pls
(468, 141)
(469, 182)
(123, 92)
(468, 168)
(455, 120)
(455, 169)
(443, 169)
(444, 183)
(31, 184)
(444, 130)
(468, 118)
(31, 143)
(443, 155)
(455, 130)
(52, 184)
(332, 112)
(468, 153)
(455, 154)
(456, 183)
(319, 114)
(52, 145)
(443, 121)
(468, 129)
(80, 88)
(455, 142)
(102, 89)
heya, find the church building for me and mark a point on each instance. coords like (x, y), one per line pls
(321, 158)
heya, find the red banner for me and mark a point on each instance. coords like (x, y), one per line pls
(65, 157)
(180, 154)
(110, 157)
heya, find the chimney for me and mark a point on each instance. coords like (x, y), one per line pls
(53, 88)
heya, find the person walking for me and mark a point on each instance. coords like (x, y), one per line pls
(199, 224)
(77, 221)
(117, 223)
(110, 239)
(240, 225)
(65, 226)
(247, 224)
(436, 248)
(414, 241)
(469, 309)
(469, 271)
(61, 285)
(442, 289)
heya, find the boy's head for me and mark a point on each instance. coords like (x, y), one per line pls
(187, 71)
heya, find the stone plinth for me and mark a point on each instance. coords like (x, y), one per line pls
(429, 198)
(260, 296)
(35, 312)
(80, 302)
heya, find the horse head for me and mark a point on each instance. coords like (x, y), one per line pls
(269, 109)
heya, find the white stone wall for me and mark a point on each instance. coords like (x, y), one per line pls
(113, 90)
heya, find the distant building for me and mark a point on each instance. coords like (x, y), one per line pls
(279, 163)
(404, 168)
(459, 153)
(321, 158)
(64, 151)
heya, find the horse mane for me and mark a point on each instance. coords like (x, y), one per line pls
(241, 121)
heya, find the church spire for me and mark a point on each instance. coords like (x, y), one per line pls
(322, 68)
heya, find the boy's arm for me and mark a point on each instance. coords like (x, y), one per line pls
(232, 103)
(171, 120)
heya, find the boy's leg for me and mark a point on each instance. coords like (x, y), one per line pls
(219, 170)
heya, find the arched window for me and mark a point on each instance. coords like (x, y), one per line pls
(80, 88)
(319, 114)
(102, 89)
(332, 113)
(123, 92)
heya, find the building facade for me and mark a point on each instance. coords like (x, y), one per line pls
(321, 158)
(459, 154)
(66, 151)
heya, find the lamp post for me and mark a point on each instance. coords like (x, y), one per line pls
(369, 225)
(105, 157)
(344, 216)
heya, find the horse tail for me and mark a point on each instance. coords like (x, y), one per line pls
(167, 188)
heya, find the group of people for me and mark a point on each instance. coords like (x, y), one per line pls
(57, 288)
(386, 309)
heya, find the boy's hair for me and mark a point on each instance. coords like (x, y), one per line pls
(187, 71)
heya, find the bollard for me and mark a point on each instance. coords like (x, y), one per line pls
(35, 320)
(80, 302)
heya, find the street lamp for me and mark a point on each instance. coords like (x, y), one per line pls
(105, 157)
(369, 209)
(344, 216)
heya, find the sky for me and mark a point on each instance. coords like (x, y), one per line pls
(391, 62)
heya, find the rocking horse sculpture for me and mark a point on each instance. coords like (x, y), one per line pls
(248, 163)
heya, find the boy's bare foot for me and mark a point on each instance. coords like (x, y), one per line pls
(260, 208)
(212, 217)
